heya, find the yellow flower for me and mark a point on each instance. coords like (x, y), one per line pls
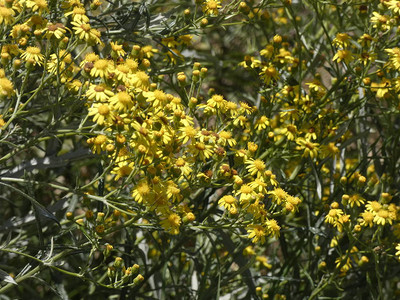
(273, 228)
(121, 101)
(141, 191)
(122, 171)
(36, 5)
(101, 68)
(171, 223)
(268, 73)
(140, 80)
(99, 93)
(117, 49)
(366, 219)
(57, 30)
(217, 101)
(183, 166)
(263, 260)
(381, 88)
(310, 148)
(147, 52)
(201, 150)
(246, 193)
(333, 216)
(210, 7)
(290, 131)
(344, 265)
(356, 199)
(6, 15)
(188, 132)
(373, 206)
(227, 201)
(380, 21)
(255, 166)
(278, 195)
(394, 57)
(33, 55)
(398, 250)
(382, 217)
(78, 14)
(261, 123)
(89, 58)
(85, 32)
(6, 88)
(343, 55)
(341, 40)
(365, 40)
(173, 191)
(101, 113)
(393, 5)
(157, 98)
(60, 63)
(256, 233)
(99, 143)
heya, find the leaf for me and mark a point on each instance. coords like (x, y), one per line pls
(37, 206)
(6, 277)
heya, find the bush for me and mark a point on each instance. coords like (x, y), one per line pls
(199, 149)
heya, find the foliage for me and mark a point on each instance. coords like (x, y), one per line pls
(199, 149)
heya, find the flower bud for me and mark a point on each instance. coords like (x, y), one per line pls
(138, 279)
(118, 262)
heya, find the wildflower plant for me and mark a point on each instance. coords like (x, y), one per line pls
(197, 149)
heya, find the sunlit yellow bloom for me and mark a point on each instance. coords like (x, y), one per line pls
(140, 80)
(101, 112)
(227, 202)
(333, 216)
(394, 57)
(380, 21)
(310, 148)
(60, 63)
(121, 101)
(99, 93)
(141, 191)
(33, 55)
(373, 206)
(158, 98)
(78, 14)
(341, 40)
(117, 49)
(57, 30)
(147, 52)
(273, 228)
(279, 195)
(85, 32)
(268, 51)
(343, 55)
(398, 250)
(246, 193)
(261, 123)
(255, 166)
(6, 15)
(101, 68)
(210, 7)
(36, 5)
(225, 137)
(382, 217)
(256, 233)
(6, 88)
(201, 150)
